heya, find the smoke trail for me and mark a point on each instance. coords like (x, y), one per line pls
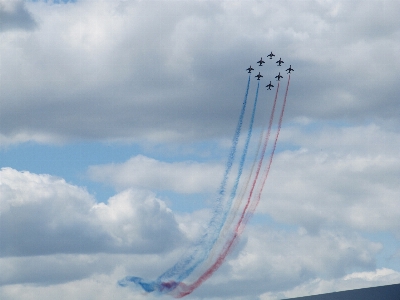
(246, 146)
(184, 289)
(169, 280)
(223, 221)
(255, 203)
(240, 198)
(247, 214)
(262, 151)
(179, 289)
(220, 214)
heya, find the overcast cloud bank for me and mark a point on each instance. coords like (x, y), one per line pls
(171, 71)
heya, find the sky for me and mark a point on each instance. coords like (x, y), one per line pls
(116, 120)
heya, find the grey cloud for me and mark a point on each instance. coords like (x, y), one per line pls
(56, 269)
(356, 280)
(96, 287)
(51, 269)
(15, 16)
(337, 177)
(273, 261)
(148, 173)
(103, 287)
(115, 74)
(43, 215)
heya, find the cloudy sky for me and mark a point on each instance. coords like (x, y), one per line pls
(116, 119)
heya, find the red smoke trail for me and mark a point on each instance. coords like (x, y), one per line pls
(184, 289)
(255, 203)
(260, 162)
(247, 214)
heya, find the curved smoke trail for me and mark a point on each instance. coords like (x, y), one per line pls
(239, 199)
(169, 280)
(220, 214)
(184, 289)
(244, 154)
(224, 223)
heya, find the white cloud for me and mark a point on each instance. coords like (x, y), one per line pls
(98, 286)
(43, 215)
(340, 184)
(357, 280)
(52, 269)
(346, 178)
(102, 286)
(194, 224)
(267, 260)
(73, 228)
(284, 257)
(68, 244)
(56, 269)
(147, 173)
(157, 70)
(174, 71)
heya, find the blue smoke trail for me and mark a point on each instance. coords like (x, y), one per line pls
(221, 214)
(243, 158)
(227, 209)
(184, 267)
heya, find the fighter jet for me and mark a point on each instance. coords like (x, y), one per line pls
(258, 76)
(270, 55)
(289, 69)
(260, 62)
(269, 86)
(279, 76)
(249, 69)
(280, 61)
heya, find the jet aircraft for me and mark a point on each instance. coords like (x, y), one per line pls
(279, 76)
(258, 76)
(280, 61)
(269, 86)
(260, 62)
(271, 55)
(249, 69)
(289, 69)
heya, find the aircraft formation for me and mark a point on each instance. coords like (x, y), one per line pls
(232, 209)
(279, 64)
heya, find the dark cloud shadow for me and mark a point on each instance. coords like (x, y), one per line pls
(16, 18)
